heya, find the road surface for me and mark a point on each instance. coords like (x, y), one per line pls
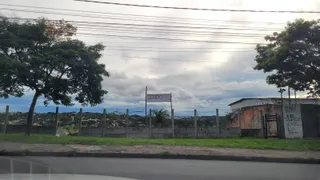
(160, 169)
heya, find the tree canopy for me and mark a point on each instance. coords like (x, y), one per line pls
(160, 117)
(42, 56)
(292, 57)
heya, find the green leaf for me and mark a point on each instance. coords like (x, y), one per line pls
(40, 55)
(293, 57)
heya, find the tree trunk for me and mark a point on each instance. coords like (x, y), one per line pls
(30, 113)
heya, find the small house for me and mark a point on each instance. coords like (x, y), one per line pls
(276, 117)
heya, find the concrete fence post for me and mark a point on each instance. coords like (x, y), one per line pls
(150, 124)
(218, 123)
(172, 122)
(6, 119)
(56, 119)
(127, 122)
(262, 124)
(80, 121)
(195, 124)
(104, 122)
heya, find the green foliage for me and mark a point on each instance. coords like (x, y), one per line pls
(293, 57)
(41, 56)
(160, 117)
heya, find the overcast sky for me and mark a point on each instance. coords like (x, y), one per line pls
(202, 75)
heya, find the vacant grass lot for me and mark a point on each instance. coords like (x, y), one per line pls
(251, 143)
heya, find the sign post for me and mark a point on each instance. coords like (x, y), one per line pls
(163, 97)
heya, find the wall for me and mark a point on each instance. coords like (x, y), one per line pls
(161, 132)
(234, 123)
(250, 117)
(250, 120)
(292, 121)
(35, 129)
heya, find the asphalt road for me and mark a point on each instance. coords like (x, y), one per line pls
(159, 169)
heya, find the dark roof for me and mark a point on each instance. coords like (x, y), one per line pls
(271, 98)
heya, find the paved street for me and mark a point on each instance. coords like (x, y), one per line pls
(159, 169)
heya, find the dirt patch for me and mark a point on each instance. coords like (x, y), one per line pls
(188, 150)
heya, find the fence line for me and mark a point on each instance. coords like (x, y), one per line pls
(116, 124)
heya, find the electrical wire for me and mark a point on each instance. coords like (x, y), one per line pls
(153, 58)
(99, 26)
(120, 25)
(148, 47)
(145, 16)
(113, 24)
(172, 51)
(170, 31)
(112, 35)
(169, 39)
(199, 9)
(121, 18)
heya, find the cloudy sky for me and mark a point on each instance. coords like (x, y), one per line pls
(204, 58)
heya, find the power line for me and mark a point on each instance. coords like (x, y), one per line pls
(148, 47)
(216, 26)
(179, 34)
(155, 38)
(169, 31)
(172, 51)
(89, 26)
(199, 9)
(145, 16)
(100, 24)
(116, 18)
(145, 28)
(103, 24)
(182, 34)
(170, 39)
(153, 58)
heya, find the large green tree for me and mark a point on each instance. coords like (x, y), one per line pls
(42, 56)
(292, 57)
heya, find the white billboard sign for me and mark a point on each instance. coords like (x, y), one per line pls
(158, 97)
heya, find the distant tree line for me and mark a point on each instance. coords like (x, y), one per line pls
(160, 119)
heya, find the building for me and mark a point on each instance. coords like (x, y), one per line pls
(299, 118)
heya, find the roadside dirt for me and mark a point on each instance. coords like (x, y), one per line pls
(158, 149)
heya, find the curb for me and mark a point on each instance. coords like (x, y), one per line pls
(162, 156)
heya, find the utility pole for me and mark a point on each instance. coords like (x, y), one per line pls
(289, 95)
(282, 119)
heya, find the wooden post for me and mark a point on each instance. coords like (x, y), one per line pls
(127, 121)
(104, 121)
(80, 121)
(172, 122)
(218, 123)
(6, 119)
(150, 124)
(195, 124)
(56, 119)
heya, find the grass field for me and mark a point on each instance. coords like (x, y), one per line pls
(252, 143)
